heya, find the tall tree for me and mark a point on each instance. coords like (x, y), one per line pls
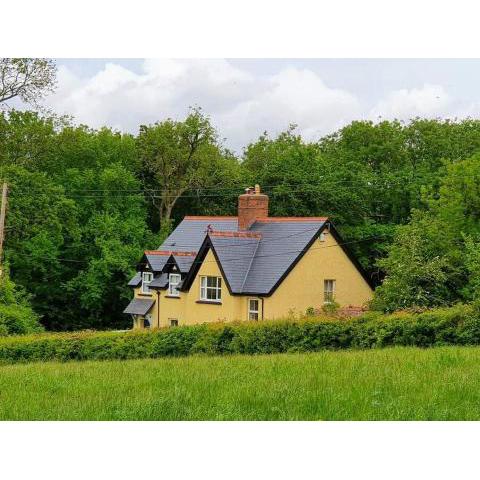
(175, 155)
(29, 79)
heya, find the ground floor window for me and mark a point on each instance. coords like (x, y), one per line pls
(328, 291)
(253, 308)
(147, 321)
(173, 322)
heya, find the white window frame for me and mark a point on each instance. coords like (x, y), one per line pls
(145, 283)
(205, 288)
(329, 286)
(172, 285)
(171, 320)
(253, 312)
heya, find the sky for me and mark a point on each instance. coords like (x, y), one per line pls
(246, 97)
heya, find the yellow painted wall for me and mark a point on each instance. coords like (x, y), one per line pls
(301, 289)
(194, 312)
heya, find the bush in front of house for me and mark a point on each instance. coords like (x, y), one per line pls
(459, 325)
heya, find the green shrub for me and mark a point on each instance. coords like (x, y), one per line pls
(16, 315)
(450, 326)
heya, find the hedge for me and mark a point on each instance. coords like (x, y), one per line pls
(459, 325)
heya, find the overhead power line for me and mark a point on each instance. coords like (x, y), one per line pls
(240, 257)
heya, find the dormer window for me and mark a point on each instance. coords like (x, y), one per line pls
(147, 278)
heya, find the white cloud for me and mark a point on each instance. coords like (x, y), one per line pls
(427, 101)
(240, 104)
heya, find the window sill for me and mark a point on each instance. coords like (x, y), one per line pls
(144, 294)
(209, 302)
(172, 296)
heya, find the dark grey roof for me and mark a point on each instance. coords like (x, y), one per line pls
(139, 306)
(251, 265)
(191, 231)
(257, 265)
(157, 262)
(184, 262)
(281, 244)
(235, 255)
(136, 280)
(160, 282)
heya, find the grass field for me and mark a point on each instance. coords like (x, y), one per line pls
(391, 384)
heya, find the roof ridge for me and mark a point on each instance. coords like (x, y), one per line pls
(290, 219)
(209, 217)
(234, 234)
(169, 252)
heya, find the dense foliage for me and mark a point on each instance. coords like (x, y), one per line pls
(16, 315)
(458, 325)
(84, 204)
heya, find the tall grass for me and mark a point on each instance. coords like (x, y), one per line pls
(388, 384)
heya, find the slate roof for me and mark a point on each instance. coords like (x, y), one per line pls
(139, 306)
(136, 280)
(160, 282)
(235, 254)
(157, 262)
(253, 262)
(184, 262)
(282, 242)
(191, 231)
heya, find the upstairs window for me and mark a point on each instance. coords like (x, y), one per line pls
(211, 289)
(173, 281)
(147, 278)
(328, 291)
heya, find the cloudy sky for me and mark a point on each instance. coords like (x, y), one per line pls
(247, 97)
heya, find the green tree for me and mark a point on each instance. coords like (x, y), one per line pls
(29, 79)
(16, 314)
(114, 235)
(175, 157)
(472, 263)
(422, 268)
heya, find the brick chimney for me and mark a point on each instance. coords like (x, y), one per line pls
(251, 205)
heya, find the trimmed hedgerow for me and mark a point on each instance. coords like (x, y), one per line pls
(459, 325)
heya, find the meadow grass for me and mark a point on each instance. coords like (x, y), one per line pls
(440, 383)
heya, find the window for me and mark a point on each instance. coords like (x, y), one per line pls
(173, 322)
(147, 278)
(173, 281)
(211, 289)
(253, 308)
(147, 321)
(328, 291)
(321, 237)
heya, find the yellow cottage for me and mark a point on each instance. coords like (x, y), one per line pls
(250, 267)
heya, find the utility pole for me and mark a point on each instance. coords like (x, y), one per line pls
(3, 212)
